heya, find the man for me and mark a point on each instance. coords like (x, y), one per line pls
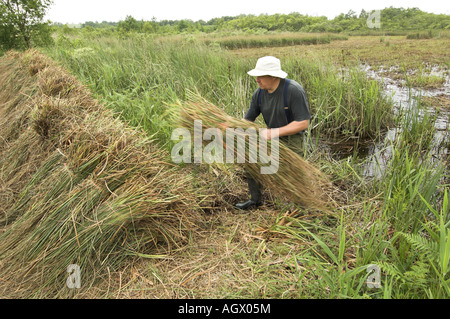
(291, 120)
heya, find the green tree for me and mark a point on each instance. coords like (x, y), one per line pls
(129, 24)
(184, 25)
(22, 25)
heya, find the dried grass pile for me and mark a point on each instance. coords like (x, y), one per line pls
(296, 180)
(76, 185)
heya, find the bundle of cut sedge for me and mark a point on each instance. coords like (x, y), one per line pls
(296, 180)
(77, 185)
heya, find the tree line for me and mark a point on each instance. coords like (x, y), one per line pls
(22, 24)
(391, 19)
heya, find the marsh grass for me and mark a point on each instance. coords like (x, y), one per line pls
(268, 40)
(328, 256)
(393, 221)
(344, 102)
(135, 76)
(423, 80)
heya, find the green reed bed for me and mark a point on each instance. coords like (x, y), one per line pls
(345, 103)
(269, 40)
(137, 77)
(416, 208)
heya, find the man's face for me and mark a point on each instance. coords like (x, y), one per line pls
(266, 82)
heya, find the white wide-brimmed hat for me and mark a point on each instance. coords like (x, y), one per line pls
(268, 65)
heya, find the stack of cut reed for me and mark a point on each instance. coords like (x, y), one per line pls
(296, 180)
(77, 185)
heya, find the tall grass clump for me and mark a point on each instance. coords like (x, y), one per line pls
(415, 208)
(344, 102)
(412, 176)
(408, 177)
(419, 260)
(77, 185)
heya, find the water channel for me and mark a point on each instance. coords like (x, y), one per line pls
(405, 100)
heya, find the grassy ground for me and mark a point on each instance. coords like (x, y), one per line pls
(377, 51)
(398, 221)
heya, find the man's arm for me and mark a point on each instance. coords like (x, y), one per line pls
(253, 111)
(290, 129)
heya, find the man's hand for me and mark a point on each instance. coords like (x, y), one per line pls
(290, 129)
(269, 134)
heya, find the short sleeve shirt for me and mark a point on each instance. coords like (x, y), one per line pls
(272, 105)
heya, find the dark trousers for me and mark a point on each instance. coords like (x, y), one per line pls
(254, 187)
(295, 143)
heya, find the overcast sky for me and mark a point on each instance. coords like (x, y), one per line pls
(79, 11)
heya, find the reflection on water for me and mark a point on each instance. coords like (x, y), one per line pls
(405, 101)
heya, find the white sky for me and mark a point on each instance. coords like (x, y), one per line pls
(79, 11)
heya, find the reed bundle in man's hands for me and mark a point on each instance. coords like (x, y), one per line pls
(295, 179)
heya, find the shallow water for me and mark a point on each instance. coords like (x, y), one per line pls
(404, 99)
